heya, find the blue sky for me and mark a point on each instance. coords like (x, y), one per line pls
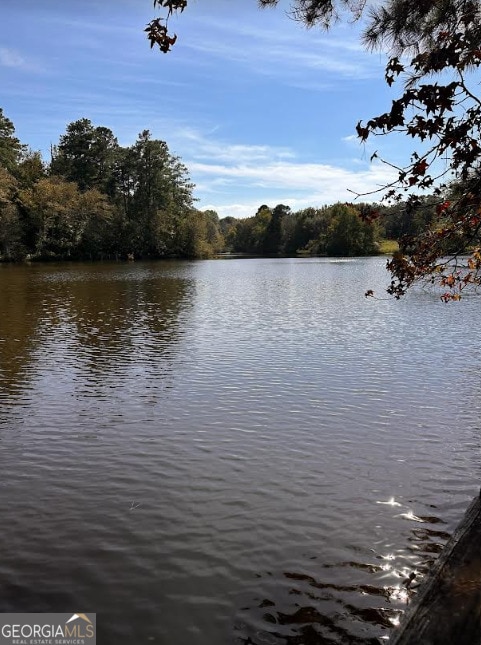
(260, 109)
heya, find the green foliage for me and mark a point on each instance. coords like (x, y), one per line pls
(85, 155)
(347, 235)
(331, 230)
(65, 221)
(29, 169)
(154, 195)
(305, 232)
(11, 247)
(200, 234)
(272, 240)
(388, 247)
(10, 147)
(213, 232)
(99, 200)
(249, 234)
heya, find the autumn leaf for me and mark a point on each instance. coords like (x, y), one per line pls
(420, 167)
(440, 208)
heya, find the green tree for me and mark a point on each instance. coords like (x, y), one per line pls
(228, 226)
(11, 246)
(242, 236)
(155, 192)
(86, 155)
(199, 235)
(214, 236)
(347, 235)
(260, 225)
(272, 239)
(400, 220)
(64, 220)
(250, 232)
(10, 147)
(97, 199)
(305, 232)
(30, 168)
(97, 238)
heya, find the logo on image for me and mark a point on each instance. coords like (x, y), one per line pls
(48, 629)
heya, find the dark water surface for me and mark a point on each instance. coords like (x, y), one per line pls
(230, 451)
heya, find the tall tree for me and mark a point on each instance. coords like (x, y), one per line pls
(86, 155)
(156, 194)
(347, 234)
(10, 147)
(11, 246)
(271, 244)
(30, 168)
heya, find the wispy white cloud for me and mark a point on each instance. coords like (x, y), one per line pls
(206, 147)
(234, 179)
(11, 58)
(233, 209)
(325, 192)
(287, 61)
(284, 52)
(319, 179)
(274, 31)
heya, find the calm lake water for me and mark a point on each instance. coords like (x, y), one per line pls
(230, 451)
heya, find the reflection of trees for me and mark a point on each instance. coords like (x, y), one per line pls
(101, 321)
(20, 313)
(125, 321)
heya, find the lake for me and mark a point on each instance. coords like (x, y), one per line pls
(240, 451)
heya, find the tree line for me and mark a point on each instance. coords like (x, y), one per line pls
(99, 200)
(339, 229)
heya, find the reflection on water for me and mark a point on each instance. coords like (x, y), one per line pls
(106, 322)
(19, 320)
(372, 593)
(238, 451)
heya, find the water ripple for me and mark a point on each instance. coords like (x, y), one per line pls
(230, 451)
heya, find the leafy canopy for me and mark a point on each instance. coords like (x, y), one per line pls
(98, 200)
